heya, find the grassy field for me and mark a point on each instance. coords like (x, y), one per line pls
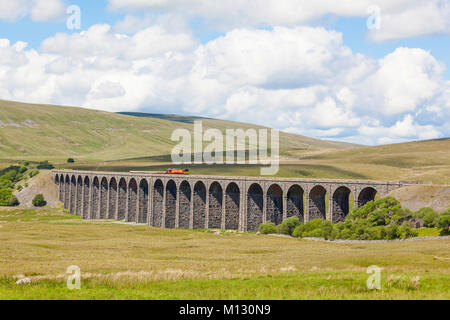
(123, 261)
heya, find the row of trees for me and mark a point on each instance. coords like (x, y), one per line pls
(383, 219)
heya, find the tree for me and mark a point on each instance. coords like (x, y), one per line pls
(13, 201)
(444, 222)
(39, 201)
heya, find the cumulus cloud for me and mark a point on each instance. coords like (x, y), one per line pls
(299, 79)
(422, 18)
(39, 10)
(399, 19)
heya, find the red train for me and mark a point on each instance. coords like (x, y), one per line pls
(175, 171)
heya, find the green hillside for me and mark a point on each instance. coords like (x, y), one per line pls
(37, 132)
(136, 141)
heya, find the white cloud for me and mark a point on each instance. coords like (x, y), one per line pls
(426, 17)
(299, 79)
(402, 130)
(399, 19)
(404, 80)
(47, 10)
(39, 10)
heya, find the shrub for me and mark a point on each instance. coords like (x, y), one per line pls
(13, 201)
(33, 173)
(406, 231)
(19, 187)
(10, 175)
(45, 165)
(288, 226)
(23, 169)
(444, 222)
(302, 229)
(266, 228)
(5, 195)
(430, 218)
(39, 201)
(70, 160)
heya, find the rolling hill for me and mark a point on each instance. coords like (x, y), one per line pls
(137, 141)
(46, 132)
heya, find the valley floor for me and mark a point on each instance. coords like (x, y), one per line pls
(127, 261)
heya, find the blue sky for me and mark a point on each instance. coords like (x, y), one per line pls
(303, 67)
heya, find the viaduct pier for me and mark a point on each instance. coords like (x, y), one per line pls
(198, 201)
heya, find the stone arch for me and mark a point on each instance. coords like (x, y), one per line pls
(158, 196)
(122, 202)
(103, 214)
(171, 203)
(73, 186)
(143, 201)
(132, 200)
(57, 180)
(340, 204)
(67, 193)
(255, 204)
(215, 205)
(317, 208)
(95, 198)
(294, 203)
(199, 205)
(365, 195)
(79, 196)
(185, 205)
(112, 198)
(232, 206)
(274, 204)
(61, 188)
(86, 200)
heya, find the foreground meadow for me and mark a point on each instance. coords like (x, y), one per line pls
(125, 261)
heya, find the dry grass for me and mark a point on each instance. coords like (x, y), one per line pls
(41, 244)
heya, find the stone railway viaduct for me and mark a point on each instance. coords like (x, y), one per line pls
(195, 202)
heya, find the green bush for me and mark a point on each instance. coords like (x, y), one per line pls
(288, 226)
(39, 201)
(376, 220)
(70, 160)
(19, 187)
(302, 229)
(5, 195)
(443, 222)
(33, 172)
(23, 169)
(266, 228)
(45, 165)
(13, 201)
